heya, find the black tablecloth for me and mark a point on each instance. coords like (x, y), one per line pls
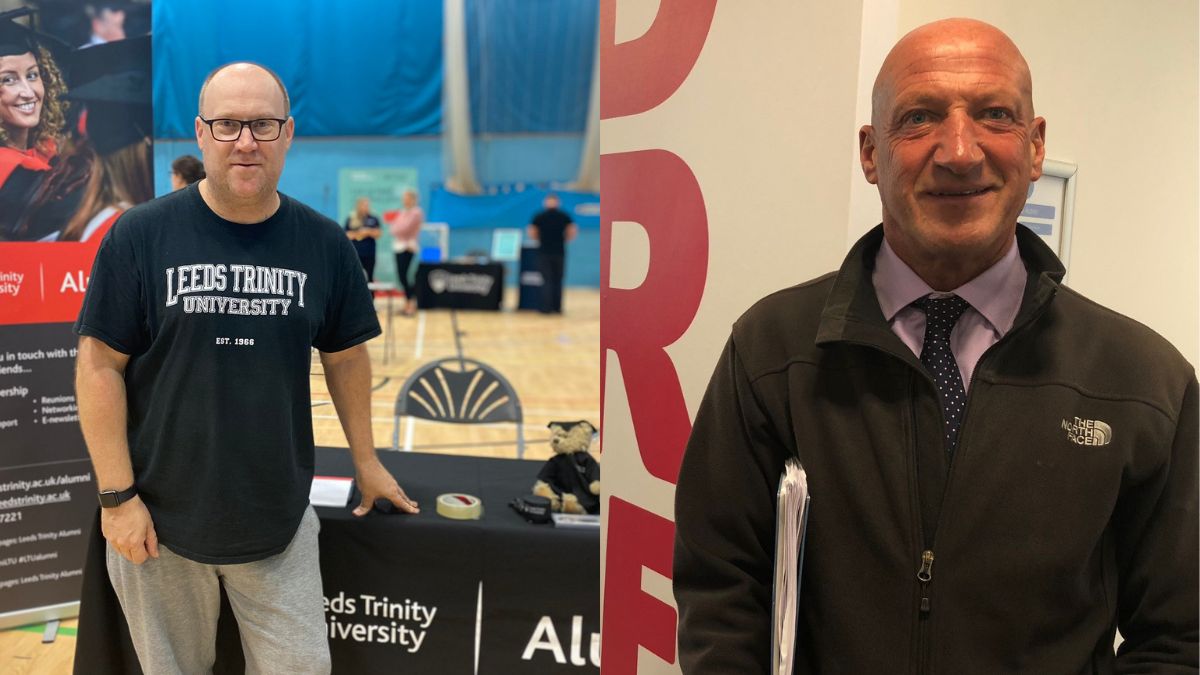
(535, 587)
(460, 285)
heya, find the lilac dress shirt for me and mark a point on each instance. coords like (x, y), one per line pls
(994, 296)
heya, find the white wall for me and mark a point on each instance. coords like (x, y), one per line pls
(762, 121)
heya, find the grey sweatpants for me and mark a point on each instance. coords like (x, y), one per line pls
(172, 604)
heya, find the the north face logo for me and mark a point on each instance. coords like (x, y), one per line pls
(1088, 432)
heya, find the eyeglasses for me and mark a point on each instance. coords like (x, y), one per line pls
(229, 130)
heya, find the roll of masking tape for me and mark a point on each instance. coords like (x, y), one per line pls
(459, 506)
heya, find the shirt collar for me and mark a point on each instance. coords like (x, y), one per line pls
(995, 293)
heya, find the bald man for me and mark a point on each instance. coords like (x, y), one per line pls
(193, 388)
(1003, 473)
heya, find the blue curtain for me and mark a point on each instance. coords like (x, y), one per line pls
(530, 64)
(374, 67)
(352, 68)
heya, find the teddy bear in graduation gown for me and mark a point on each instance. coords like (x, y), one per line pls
(571, 478)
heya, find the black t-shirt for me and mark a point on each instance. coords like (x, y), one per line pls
(552, 225)
(364, 247)
(219, 319)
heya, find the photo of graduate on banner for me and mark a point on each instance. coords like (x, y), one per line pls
(75, 132)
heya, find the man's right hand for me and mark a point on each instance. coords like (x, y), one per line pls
(130, 531)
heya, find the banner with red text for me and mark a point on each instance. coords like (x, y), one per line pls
(727, 139)
(67, 172)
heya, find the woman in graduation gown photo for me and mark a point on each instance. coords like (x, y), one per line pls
(32, 117)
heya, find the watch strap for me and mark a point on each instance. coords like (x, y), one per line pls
(110, 499)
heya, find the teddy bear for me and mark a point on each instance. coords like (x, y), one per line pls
(571, 478)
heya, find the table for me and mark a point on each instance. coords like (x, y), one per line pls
(451, 285)
(530, 588)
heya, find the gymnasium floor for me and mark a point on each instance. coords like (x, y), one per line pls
(553, 362)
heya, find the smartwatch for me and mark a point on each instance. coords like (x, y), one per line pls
(111, 499)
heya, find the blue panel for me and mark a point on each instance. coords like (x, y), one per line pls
(530, 64)
(1038, 211)
(509, 208)
(311, 171)
(472, 220)
(1044, 229)
(357, 67)
(582, 263)
(311, 176)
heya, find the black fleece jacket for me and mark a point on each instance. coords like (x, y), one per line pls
(1069, 508)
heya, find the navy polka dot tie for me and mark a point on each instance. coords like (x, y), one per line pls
(940, 316)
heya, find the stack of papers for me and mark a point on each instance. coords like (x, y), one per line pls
(330, 491)
(791, 520)
(577, 520)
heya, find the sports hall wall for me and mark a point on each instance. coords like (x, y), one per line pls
(745, 115)
(529, 68)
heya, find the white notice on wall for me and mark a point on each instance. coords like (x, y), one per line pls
(1044, 210)
(330, 491)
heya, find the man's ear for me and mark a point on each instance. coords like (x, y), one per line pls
(1037, 147)
(866, 152)
(289, 130)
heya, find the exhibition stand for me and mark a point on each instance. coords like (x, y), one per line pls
(423, 593)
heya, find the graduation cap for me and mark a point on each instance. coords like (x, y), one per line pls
(567, 426)
(86, 64)
(97, 7)
(113, 80)
(16, 39)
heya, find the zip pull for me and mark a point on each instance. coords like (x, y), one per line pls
(925, 575)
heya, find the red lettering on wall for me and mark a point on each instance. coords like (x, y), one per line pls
(631, 616)
(656, 189)
(638, 75)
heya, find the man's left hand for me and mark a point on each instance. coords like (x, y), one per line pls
(374, 482)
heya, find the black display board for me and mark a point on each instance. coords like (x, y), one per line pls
(46, 487)
(530, 296)
(460, 285)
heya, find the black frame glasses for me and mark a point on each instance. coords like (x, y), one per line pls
(278, 129)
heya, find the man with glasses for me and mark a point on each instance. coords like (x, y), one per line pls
(193, 392)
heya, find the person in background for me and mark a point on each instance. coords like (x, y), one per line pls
(186, 170)
(405, 226)
(552, 228)
(120, 123)
(108, 23)
(363, 229)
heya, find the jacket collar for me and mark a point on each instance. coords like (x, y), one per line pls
(852, 312)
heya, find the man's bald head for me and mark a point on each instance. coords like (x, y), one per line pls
(946, 40)
(953, 145)
(245, 67)
(242, 172)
